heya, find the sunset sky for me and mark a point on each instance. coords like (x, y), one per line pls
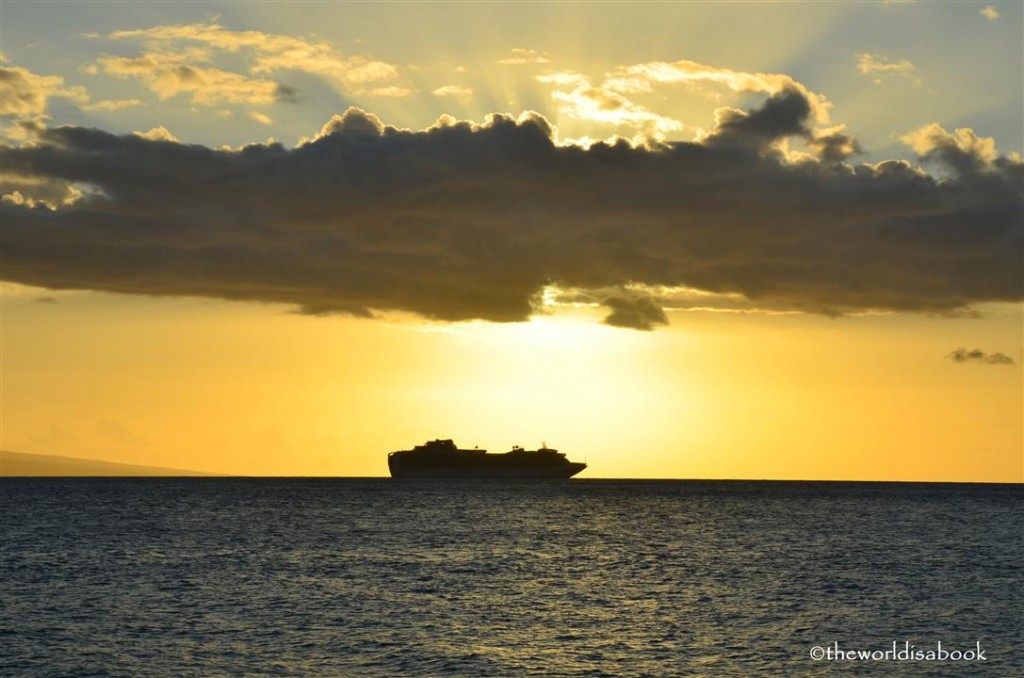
(692, 240)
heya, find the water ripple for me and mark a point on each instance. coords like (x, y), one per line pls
(155, 577)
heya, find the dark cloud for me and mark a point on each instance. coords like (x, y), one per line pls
(45, 300)
(637, 312)
(286, 93)
(631, 308)
(962, 355)
(784, 115)
(835, 146)
(460, 221)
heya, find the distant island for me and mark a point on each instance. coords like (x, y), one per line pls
(19, 464)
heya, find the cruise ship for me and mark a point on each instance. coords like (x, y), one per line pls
(442, 459)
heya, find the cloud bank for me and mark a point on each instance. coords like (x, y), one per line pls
(463, 221)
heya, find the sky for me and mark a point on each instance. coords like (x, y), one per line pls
(693, 240)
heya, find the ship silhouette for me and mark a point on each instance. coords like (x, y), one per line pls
(443, 459)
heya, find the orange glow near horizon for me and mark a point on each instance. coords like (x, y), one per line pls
(247, 389)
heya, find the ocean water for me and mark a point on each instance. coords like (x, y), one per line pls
(374, 577)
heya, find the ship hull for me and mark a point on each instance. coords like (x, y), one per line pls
(475, 473)
(443, 459)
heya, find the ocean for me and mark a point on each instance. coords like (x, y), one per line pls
(375, 577)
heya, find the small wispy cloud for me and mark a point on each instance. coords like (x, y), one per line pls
(990, 13)
(24, 93)
(879, 68)
(168, 75)
(177, 60)
(112, 105)
(520, 55)
(459, 92)
(269, 52)
(394, 91)
(962, 355)
(159, 133)
(261, 118)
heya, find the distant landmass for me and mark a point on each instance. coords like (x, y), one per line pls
(19, 464)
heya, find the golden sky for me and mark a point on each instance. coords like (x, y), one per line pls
(675, 241)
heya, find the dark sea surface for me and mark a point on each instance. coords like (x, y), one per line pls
(375, 577)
